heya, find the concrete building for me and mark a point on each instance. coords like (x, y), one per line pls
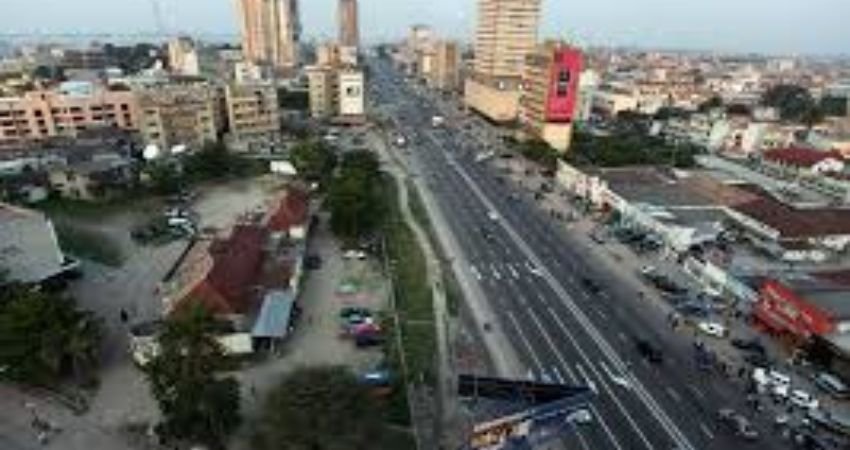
(66, 111)
(253, 116)
(183, 57)
(29, 249)
(445, 73)
(322, 83)
(506, 32)
(550, 93)
(351, 104)
(327, 54)
(349, 28)
(271, 31)
(419, 41)
(174, 115)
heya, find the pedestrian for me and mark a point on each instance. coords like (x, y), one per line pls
(124, 316)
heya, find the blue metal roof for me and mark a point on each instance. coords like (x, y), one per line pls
(275, 315)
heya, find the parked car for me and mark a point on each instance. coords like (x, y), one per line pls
(737, 423)
(713, 329)
(803, 399)
(750, 345)
(831, 385)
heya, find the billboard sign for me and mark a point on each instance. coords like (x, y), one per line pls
(562, 94)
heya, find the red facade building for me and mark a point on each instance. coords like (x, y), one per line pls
(803, 307)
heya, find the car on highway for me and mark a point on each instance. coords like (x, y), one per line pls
(591, 285)
(648, 351)
(493, 215)
(713, 329)
(737, 423)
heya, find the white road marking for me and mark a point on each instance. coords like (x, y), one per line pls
(706, 430)
(617, 379)
(496, 273)
(697, 392)
(558, 377)
(524, 339)
(672, 392)
(587, 379)
(513, 272)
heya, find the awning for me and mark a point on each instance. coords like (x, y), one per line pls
(275, 314)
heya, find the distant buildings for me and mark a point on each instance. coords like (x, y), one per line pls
(445, 66)
(351, 103)
(349, 27)
(505, 34)
(550, 92)
(65, 111)
(183, 58)
(271, 31)
(180, 115)
(322, 81)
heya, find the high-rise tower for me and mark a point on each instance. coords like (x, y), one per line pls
(271, 32)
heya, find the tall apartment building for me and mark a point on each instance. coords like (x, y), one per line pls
(65, 111)
(183, 57)
(419, 42)
(253, 115)
(175, 115)
(445, 66)
(351, 104)
(550, 88)
(322, 85)
(349, 28)
(271, 31)
(506, 32)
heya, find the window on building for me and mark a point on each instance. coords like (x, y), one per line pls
(563, 86)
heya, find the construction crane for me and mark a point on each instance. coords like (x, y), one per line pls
(157, 16)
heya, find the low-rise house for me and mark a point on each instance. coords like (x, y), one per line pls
(94, 179)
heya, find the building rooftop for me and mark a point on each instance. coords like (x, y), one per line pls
(800, 157)
(831, 297)
(29, 249)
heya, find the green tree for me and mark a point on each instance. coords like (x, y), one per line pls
(165, 177)
(834, 106)
(44, 337)
(354, 197)
(314, 160)
(794, 103)
(321, 408)
(198, 403)
(712, 103)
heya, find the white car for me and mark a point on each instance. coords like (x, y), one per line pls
(803, 399)
(713, 329)
(493, 215)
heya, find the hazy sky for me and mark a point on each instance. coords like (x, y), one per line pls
(789, 26)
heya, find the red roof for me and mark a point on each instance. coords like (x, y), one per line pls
(291, 212)
(796, 222)
(800, 157)
(228, 287)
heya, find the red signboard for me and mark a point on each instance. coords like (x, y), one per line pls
(563, 85)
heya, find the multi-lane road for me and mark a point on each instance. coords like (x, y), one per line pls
(532, 273)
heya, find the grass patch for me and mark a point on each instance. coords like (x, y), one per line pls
(454, 295)
(89, 244)
(96, 210)
(414, 306)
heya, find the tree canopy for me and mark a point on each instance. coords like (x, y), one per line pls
(354, 197)
(198, 403)
(322, 408)
(794, 103)
(44, 337)
(628, 148)
(314, 160)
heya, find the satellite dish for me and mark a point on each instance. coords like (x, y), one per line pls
(151, 152)
(178, 149)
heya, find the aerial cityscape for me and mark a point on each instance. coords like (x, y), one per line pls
(474, 224)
